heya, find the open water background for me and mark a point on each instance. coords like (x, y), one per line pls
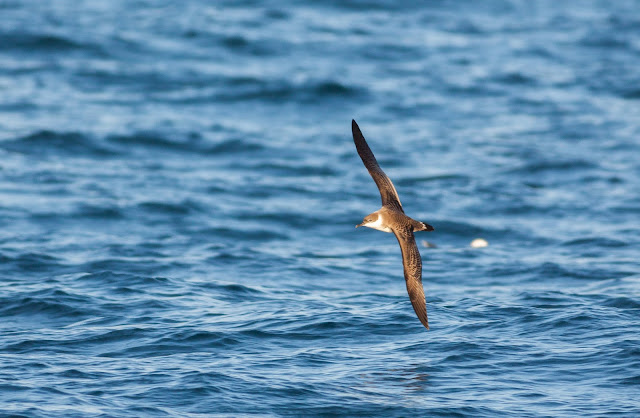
(179, 189)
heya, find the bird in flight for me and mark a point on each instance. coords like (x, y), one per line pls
(391, 218)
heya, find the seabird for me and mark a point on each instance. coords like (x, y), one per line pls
(391, 218)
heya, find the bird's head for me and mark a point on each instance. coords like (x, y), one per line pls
(369, 220)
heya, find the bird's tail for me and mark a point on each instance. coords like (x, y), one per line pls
(422, 226)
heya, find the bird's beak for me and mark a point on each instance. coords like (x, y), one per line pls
(360, 224)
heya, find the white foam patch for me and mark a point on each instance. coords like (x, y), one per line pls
(479, 243)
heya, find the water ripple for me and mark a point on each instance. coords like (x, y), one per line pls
(179, 189)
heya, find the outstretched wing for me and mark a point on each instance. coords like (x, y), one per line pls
(413, 273)
(387, 190)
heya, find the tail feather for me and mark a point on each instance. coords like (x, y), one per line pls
(423, 227)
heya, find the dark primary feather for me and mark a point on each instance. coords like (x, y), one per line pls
(413, 272)
(387, 190)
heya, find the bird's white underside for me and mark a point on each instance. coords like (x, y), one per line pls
(377, 224)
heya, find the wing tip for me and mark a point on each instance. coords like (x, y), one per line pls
(355, 128)
(421, 312)
(420, 309)
(424, 321)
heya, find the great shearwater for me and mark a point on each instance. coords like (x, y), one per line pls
(391, 218)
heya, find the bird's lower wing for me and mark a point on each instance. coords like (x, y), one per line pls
(413, 273)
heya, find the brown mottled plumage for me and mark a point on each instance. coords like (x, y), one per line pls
(391, 218)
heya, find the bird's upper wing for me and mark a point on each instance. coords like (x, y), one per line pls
(413, 272)
(387, 190)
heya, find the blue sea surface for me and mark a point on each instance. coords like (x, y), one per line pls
(179, 190)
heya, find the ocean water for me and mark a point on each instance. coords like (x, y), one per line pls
(179, 189)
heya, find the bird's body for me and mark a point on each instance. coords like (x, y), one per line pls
(391, 218)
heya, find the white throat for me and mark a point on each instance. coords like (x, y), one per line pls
(377, 224)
